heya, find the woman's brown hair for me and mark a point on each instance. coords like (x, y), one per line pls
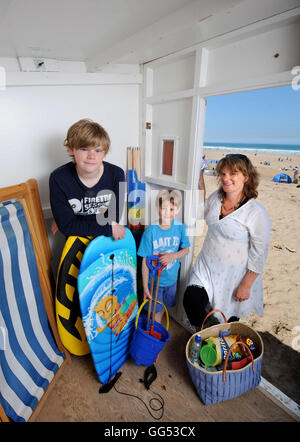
(238, 162)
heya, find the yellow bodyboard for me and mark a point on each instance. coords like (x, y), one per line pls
(68, 313)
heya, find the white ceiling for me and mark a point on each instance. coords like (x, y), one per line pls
(120, 31)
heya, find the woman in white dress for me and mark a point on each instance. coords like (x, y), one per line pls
(227, 274)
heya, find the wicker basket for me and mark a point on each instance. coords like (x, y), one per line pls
(220, 386)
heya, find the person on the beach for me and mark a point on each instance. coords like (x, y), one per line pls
(167, 238)
(227, 274)
(85, 193)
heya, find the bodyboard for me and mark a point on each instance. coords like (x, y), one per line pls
(108, 301)
(68, 313)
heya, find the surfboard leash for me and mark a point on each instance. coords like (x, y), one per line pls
(105, 388)
(149, 376)
(150, 373)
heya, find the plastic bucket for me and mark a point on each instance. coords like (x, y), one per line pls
(144, 348)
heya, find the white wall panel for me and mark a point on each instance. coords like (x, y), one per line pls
(174, 76)
(271, 52)
(34, 121)
(172, 119)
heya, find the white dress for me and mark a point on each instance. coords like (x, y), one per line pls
(234, 244)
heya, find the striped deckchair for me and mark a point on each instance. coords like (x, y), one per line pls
(29, 358)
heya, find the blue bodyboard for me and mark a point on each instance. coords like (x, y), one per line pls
(108, 301)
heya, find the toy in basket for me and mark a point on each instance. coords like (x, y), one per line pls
(149, 338)
(219, 386)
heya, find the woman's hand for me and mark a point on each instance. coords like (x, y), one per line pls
(201, 183)
(203, 163)
(242, 293)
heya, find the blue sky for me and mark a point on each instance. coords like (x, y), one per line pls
(264, 116)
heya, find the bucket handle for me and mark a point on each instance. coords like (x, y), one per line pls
(141, 307)
(210, 313)
(229, 351)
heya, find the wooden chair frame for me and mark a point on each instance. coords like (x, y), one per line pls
(28, 195)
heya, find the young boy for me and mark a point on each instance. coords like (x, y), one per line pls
(84, 193)
(166, 238)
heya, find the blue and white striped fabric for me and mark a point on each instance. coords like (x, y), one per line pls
(30, 357)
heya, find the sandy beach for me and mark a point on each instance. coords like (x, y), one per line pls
(280, 324)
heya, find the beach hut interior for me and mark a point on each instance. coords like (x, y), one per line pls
(144, 70)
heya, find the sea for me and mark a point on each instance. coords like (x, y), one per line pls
(278, 149)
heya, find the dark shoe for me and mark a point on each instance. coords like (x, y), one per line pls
(211, 321)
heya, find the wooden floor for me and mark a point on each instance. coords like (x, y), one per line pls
(75, 396)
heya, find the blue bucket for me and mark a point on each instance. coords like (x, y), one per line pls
(145, 348)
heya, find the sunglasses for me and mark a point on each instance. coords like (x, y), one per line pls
(237, 155)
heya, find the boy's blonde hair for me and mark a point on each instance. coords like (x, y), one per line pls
(86, 133)
(168, 195)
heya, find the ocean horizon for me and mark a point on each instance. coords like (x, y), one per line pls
(280, 149)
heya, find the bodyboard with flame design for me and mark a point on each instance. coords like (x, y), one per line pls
(108, 300)
(67, 308)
